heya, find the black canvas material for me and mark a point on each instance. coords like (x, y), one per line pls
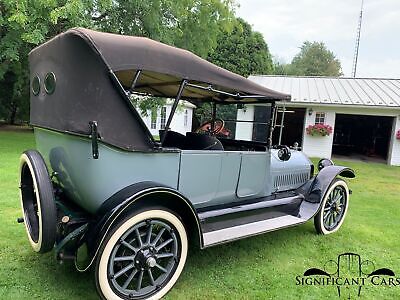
(84, 92)
(83, 60)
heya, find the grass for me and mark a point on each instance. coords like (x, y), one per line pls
(262, 267)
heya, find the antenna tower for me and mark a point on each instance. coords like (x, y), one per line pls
(355, 58)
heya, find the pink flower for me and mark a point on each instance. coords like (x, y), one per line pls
(319, 129)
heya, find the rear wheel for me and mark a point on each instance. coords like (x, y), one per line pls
(333, 208)
(37, 202)
(142, 257)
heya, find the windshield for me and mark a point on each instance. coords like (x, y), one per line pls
(239, 122)
(233, 121)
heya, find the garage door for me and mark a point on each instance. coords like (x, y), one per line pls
(360, 135)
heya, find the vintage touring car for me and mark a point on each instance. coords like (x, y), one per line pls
(102, 192)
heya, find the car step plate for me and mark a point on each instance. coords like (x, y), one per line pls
(237, 232)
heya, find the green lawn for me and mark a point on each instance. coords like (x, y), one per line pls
(262, 267)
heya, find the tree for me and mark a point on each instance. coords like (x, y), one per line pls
(190, 24)
(26, 24)
(243, 51)
(314, 59)
(280, 67)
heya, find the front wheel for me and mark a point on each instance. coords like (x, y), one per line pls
(333, 208)
(142, 257)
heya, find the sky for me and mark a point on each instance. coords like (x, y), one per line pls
(286, 24)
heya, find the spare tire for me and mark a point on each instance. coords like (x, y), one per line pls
(37, 201)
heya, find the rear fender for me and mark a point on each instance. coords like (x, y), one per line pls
(119, 205)
(315, 189)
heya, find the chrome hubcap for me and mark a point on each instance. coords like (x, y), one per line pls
(151, 262)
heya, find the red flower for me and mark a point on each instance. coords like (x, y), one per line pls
(319, 129)
(398, 134)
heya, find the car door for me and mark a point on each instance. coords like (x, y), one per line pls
(254, 167)
(209, 178)
(199, 175)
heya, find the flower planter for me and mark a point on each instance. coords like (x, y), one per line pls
(319, 130)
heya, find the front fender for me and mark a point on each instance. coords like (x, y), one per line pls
(315, 189)
(114, 208)
(323, 180)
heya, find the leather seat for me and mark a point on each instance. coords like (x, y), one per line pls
(174, 139)
(200, 141)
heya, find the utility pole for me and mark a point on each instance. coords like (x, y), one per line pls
(355, 58)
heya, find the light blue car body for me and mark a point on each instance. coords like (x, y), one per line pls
(205, 177)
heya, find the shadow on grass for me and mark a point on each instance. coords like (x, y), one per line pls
(246, 268)
(62, 281)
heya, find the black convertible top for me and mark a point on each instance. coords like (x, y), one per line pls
(93, 70)
(126, 54)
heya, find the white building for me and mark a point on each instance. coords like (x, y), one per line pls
(363, 112)
(181, 122)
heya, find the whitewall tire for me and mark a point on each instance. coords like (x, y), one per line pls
(37, 202)
(142, 257)
(334, 208)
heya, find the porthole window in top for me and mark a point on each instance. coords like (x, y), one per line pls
(320, 118)
(50, 83)
(35, 85)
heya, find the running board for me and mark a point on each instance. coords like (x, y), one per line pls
(241, 231)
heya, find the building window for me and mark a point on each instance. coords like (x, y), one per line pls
(185, 118)
(163, 116)
(153, 119)
(320, 118)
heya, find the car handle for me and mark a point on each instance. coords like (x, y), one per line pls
(93, 136)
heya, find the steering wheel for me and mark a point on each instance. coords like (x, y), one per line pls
(219, 125)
